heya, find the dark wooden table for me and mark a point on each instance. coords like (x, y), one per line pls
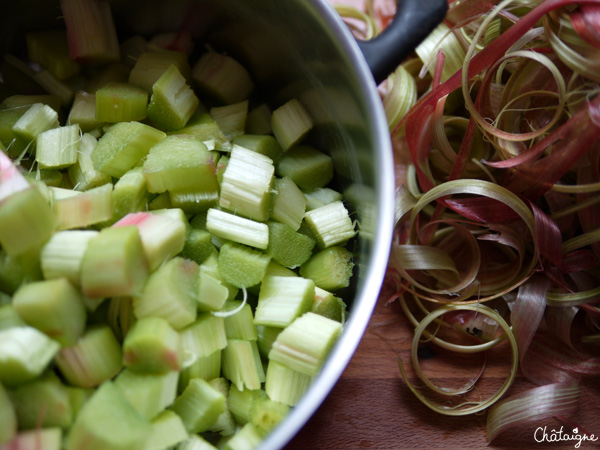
(372, 408)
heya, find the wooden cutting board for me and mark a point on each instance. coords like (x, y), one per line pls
(371, 407)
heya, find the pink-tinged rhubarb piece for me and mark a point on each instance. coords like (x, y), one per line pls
(162, 236)
(26, 219)
(91, 31)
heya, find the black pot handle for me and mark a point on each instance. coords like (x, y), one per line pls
(413, 22)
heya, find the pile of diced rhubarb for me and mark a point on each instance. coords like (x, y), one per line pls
(171, 249)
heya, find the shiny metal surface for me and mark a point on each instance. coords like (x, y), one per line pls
(293, 48)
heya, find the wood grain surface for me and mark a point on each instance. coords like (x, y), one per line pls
(371, 407)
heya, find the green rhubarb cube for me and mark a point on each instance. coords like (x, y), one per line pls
(308, 167)
(9, 317)
(212, 293)
(328, 305)
(264, 144)
(203, 337)
(288, 247)
(173, 101)
(83, 175)
(37, 119)
(114, 264)
(286, 385)
(330, 269)
(198, 245)
(242, 365)
(58, 148)
(150, 66)
(152, 346)
(171, 292)
(121, 102)
(54, 307)
(8, 417)
(50, 49)
(109, 422)
(283, 299)
(162, 236)
(180, 162)
(242, 266)
(199, 405)
(241, 324)
(74, 209)
(25, 353)
(95, 358)
(167, 431)
(222, 77)
(205, 128)
(305, 343)
(12, 274)
(61, 256)
(149, 394)
(291, 122)
(83, 112)
(44, 402)
(130, 194)
(46, 438)
(26, 221)
(123, 146)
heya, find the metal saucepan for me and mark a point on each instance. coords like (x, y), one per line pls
(301, 49)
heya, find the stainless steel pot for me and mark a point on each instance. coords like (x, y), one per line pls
(298, 48)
